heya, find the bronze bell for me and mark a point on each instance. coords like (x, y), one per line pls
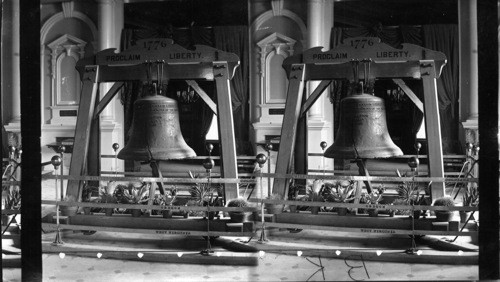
(362, 130)
(156, 132)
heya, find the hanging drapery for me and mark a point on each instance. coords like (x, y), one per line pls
(436, 37)
(444, 38)
(393, 36)
(234, 39)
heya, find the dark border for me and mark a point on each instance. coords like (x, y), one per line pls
(31, 194)
(487, 23)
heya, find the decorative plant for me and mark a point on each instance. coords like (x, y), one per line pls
(238, 216)
(373, 198)
(107, 193)
(136, 195)
(317, 186)
(274, 196)
(470, 197)
(293, 194)
(87, 193)
(314, 196)
(204, 194)
(375, 195)
(294, 190)
(167, 199)
(410, 193)
(340, 191)
(11, 200)
(445, 202)
(238, 202)
(69, 210)
(132, 195)
(274, 208)
(11, 197)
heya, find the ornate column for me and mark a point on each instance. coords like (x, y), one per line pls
(467, 18)
(107, 31)
(315, 26)
(110, 24)
(119, 22)
(11, 84)
(320, 115)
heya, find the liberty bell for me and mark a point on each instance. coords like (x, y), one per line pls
(362, 132)
(156, 132)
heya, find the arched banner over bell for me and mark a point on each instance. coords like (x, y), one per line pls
(362, 130)
(156, 132)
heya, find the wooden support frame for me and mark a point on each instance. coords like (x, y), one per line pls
(411, 61)
(204, 62)
(82, 130)
(290, 123)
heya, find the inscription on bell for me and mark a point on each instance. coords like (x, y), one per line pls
(157, 121)
(156, 132)
(164, 108)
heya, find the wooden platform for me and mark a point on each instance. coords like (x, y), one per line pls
(153, 225)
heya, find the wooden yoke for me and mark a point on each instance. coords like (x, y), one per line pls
(201, 63)
(411, 61)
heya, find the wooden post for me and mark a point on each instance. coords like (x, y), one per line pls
(93, 166)
(82, 130)
(300, 164)
(226, 128)
(432, 126)
(289, 127)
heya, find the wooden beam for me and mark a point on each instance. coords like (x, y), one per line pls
(148, 223)
(82, 130)
(289, 127)
(314, 96)
(410, 94)
(107, 98)
(433, 127)
(301, 165)
(203, 95)
(226, 128)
